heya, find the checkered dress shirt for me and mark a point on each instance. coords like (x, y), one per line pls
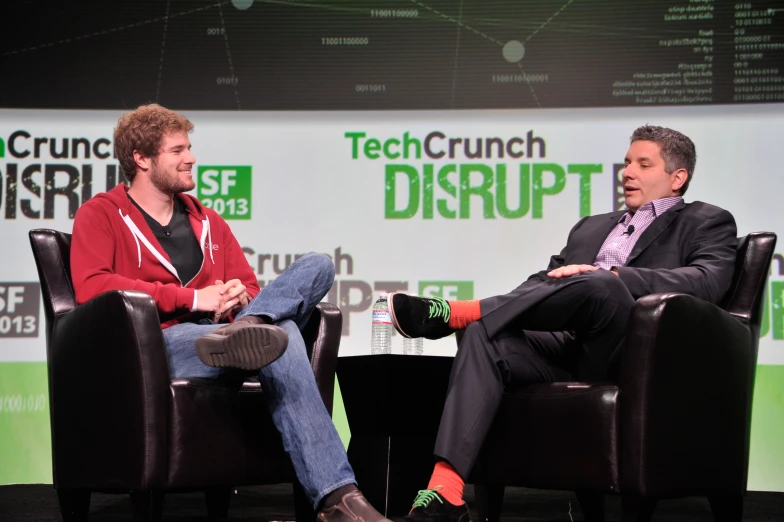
(618, 245)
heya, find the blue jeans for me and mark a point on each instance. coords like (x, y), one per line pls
(309, 437)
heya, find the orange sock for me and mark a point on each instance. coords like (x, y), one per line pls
(451, 483)
(463, 313)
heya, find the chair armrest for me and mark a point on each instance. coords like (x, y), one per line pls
(109, 379)
(322, 339)
(686, 379)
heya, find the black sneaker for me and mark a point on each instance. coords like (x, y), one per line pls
(429, 506)
(426, 317)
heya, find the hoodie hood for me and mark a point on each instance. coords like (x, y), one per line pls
(119, 198)
(134, 219)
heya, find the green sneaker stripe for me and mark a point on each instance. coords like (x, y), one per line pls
(439, 307)
(425, 497)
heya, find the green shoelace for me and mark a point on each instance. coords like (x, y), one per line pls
(425, 497)
(439, 308)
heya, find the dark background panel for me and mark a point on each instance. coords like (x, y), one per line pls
(453, 54)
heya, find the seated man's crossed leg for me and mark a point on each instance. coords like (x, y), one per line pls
(266, 336)
(543, 331)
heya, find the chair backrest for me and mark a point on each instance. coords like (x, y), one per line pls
(744, 300)
(52, 252)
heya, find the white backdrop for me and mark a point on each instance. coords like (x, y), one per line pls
(308, 193)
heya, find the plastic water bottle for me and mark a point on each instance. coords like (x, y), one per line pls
(381, 335)
(412, 346)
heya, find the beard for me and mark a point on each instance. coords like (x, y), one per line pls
(169, 183)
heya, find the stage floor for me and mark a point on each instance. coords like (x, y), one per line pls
(38, 503)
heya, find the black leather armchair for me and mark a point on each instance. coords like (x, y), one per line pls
(120, 424)
(676, 424)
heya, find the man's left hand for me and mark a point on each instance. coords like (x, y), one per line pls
(570, 270)
(235, 290)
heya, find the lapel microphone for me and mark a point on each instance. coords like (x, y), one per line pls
(629, 230)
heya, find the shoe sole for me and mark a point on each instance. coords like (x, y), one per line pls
(245, 349)
(393, 317)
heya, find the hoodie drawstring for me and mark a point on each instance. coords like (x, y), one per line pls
(209, 238)
(131, 226)
(206, 234)
(138, 236)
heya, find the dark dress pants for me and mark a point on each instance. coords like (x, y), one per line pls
(543, 331)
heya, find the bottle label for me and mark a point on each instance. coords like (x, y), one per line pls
(381, 317)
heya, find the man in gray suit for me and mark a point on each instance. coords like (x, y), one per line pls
(569, 321)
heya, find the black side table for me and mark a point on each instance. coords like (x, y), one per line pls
(393, 406)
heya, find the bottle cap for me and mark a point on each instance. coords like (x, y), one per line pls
(383, 295)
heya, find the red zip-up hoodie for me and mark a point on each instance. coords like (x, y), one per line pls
(113, 248)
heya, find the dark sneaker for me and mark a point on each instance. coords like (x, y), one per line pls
(429, 506)
(353, 507)
(426, 317)
(242, 345)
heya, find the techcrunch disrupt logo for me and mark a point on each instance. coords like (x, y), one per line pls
(52, 169)
(354, 296)
(446, 189)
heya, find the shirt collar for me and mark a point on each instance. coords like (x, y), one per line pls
(658, 206)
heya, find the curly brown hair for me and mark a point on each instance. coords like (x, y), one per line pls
(143, 130)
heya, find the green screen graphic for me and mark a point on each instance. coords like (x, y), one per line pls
(226, 190)
(766, 458)
(25, 453)
(449, 290)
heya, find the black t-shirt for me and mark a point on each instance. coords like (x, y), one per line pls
(178, 240)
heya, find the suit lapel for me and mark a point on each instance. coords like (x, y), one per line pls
(653, 231)
(603, 229)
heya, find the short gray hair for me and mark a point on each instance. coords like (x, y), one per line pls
(677, 149)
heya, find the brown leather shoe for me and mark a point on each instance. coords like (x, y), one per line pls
(353, 507)
(242, 345)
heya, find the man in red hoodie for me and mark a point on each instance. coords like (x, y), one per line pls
(154, 238)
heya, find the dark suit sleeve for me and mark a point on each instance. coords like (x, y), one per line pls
(557, 261)
(709, 267)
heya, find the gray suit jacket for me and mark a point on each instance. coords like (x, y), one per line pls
(690, 248)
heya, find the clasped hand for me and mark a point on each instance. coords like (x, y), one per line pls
(221, 298)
